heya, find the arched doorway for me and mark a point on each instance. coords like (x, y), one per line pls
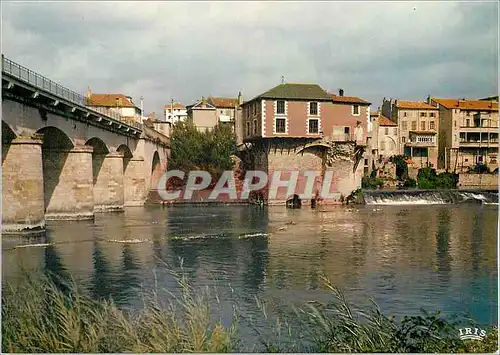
(156, 171)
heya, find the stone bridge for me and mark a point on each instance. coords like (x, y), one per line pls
(63, 160)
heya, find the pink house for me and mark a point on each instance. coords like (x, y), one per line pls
(288, 116)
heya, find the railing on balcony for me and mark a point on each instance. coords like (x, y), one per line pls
(38, 81)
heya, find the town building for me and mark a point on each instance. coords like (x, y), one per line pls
(175, 112)
(115, 104)
(468, 133)
(384, 139)
(208, 112)
(418, 127)
(279, 123)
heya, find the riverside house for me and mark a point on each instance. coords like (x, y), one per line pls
(280, 122)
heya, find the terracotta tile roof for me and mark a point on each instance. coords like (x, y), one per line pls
(416, 105)
(176, 106)
(478, 105)
(384, 121)
(223, 102)
(350, 100)
(109, 100)
(293, 91)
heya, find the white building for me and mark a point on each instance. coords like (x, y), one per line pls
(175, 113)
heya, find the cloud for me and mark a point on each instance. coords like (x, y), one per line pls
(188, 49)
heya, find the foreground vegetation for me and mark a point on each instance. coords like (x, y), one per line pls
(40, 316)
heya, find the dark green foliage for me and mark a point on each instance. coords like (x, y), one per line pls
(401, 167)
(208, 151)
(428, 179)
(479, 169)
(408, 183)
(368, 182)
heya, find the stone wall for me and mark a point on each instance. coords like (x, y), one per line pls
(478, 181)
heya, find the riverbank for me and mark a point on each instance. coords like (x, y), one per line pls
(54, 316)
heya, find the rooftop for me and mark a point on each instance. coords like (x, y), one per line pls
(478, 105)
(384, 121)
(415, 105)
(109, 100)
(175, 106)
(349, 100)
(223, 102)
(294, 91)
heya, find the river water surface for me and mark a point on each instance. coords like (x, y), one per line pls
(407, 257)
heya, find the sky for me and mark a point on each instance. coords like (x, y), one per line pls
(186, 50)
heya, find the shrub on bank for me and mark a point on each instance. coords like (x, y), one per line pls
(428, 179)
(39, 317)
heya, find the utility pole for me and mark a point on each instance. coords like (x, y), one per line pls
(172, 110)
(282, 79)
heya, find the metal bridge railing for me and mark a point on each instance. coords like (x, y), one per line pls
(41, 82)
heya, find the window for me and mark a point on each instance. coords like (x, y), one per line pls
(313, 108)
(366, 161)
(280, 107)
(403, 139)
(255, 108)
(422, 125)
(169, 110)
(432, 114)
(355, 109)
(386, 131)
(468, 113)
(395, 131)
(413, 125)
(248, 128)
(221, 112)
(405, 114)
(423, 114)
(281, 124)
(313, 126)
(431, 125)
(382, 145)
(346, 130)
(404, 125)
(255, 127)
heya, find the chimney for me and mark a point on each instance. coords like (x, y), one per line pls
(89, 93)
(341, 92)
(240, 98)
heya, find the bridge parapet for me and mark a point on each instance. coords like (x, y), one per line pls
(40, 82)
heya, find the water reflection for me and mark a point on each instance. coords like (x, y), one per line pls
(437, 257)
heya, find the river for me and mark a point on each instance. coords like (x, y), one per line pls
(407, 257)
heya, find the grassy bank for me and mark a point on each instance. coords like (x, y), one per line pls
(45, 316)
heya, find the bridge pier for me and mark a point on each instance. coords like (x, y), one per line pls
(134, 182)
(22, 185)
(68, 182)
(108, 184)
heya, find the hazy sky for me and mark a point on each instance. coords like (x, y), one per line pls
(184, 50)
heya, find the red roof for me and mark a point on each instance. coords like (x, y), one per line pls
(478, 105)
(416, 105)
(349, 100)
(384, 121)
(109, 100)
(175, 106)
(224, 102)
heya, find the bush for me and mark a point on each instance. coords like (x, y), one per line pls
(368, 182)
(401, 166)
(428, 179)
(408, 183)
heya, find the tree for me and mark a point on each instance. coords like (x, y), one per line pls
(209, 151)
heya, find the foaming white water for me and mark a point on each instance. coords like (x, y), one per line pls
(253, 235)
(406, 202)
(40, 245)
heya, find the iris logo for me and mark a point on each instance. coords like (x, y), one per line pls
(472, 333)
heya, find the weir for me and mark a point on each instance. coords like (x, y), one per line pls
(429, 197)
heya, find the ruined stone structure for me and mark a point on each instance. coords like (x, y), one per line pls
(340, 159)
(63, 160)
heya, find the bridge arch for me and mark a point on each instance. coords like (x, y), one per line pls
(8, 135)
(156, 170)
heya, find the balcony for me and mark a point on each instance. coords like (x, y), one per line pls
(479, 143)
(421, 139)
